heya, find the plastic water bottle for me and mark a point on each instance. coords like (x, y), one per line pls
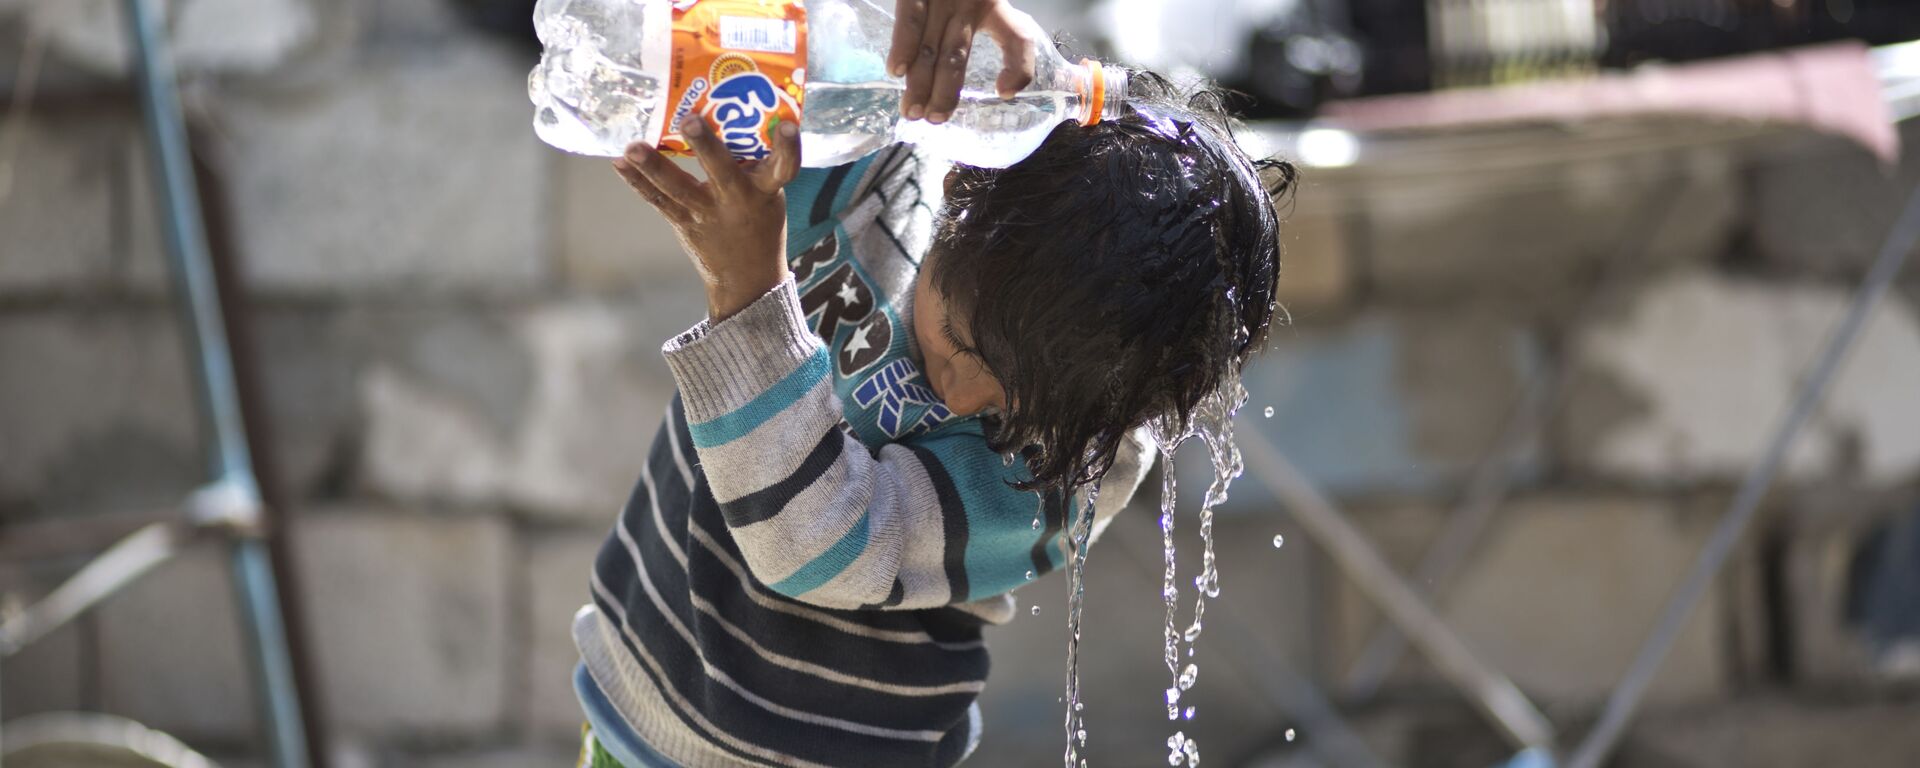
(619, 71)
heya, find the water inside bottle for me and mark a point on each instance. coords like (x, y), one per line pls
(843, 118)
(589, 94)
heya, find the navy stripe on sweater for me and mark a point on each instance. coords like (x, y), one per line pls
(767, 502)
(744, 692)
(954, 523)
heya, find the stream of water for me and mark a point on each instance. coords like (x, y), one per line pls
(1211, 423)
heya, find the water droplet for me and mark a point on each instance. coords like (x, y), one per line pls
(1175, 758)
(1173, 742)
(1036, 610)
(1007, 460)
(1268, 412)
(1277, 541)
(1193, 632)
(1036, 523)
(1192, 748)
(1189, 713)
(1173, 695)
(1188, 675)
(1083, 735)
(1289, 734)
(1189, 651)
(1029, 575)
(1077, 706)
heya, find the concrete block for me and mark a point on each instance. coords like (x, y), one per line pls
(408, 174)
(568, 445)
(1689, 382)
(249, 36)
(1823, 205)
(1534, 235)
(308, 359)
(1778, 732)
(1316, 254)
(1122, 672)
(608, 239)
(57, 204)
(1385, 402)
(411, 619)
(172, 654)
(558, 565)
(1559, 596)
(97, 411)
(48, 675)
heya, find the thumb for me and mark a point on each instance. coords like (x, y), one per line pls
(784, 164)
(1017, 35)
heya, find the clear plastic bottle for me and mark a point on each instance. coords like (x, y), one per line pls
(602, 84)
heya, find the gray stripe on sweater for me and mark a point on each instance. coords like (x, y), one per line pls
(720, 676)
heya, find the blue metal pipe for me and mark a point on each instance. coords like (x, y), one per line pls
(186, 240)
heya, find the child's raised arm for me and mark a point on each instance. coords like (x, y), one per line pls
(817, 515)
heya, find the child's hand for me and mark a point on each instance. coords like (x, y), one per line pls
(933, 38)
(735, 224)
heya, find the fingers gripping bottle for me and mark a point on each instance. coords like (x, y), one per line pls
(618, 71)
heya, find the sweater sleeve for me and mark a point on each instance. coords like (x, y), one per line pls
(820, 517)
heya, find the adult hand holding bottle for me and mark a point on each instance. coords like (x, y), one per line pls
(932, 40)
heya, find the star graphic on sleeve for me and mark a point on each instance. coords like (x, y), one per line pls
(849, 293)
(857, 343)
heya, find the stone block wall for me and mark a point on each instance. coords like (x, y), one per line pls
(458, 332)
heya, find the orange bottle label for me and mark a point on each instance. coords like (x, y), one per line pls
(741, 66)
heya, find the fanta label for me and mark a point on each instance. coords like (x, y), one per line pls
(739, 65)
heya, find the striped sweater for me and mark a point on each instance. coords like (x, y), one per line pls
(802, 574)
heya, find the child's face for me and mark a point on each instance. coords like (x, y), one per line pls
(954, 371)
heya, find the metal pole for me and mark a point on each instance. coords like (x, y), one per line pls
(1493, 478)
(99, 579)
(1633, 685)
(1486, 491)
(186, 240)
(1492, 692)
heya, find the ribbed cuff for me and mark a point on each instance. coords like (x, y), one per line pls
(723, 366)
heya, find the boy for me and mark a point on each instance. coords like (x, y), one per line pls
(880, 427)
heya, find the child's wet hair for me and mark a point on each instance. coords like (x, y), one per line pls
(1115, 276)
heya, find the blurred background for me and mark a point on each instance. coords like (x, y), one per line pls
(1555, 272)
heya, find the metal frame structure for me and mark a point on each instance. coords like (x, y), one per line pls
(230, 505)
(1408, 609)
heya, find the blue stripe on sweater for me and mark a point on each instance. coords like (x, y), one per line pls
(829, 564)
(735, 425)
(1000, 531)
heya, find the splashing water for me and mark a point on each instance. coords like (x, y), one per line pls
(1078, 533)
(1212, 423)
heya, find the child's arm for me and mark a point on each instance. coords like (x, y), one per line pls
(817, 515)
